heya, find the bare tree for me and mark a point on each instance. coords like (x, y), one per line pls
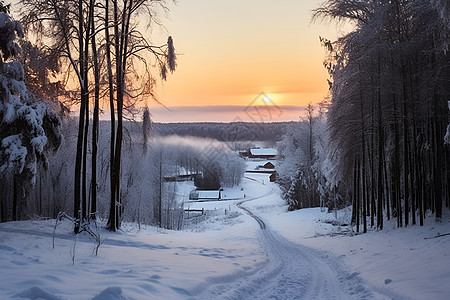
(128, 45)
(77, 30)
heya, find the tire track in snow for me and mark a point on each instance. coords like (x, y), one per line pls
(292, 272)
(261, 223)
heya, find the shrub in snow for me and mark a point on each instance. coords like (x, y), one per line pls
(27, 128)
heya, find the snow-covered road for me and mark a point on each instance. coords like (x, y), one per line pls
(292, 271)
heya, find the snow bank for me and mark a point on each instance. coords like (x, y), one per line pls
(150, 263)
(36, 293)
(111, 293)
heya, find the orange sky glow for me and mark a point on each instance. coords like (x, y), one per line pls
(231, 51)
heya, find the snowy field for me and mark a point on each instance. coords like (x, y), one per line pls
(225, 254)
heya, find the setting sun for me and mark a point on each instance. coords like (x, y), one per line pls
(226, 57)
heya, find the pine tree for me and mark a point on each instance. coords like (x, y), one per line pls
(27, 127)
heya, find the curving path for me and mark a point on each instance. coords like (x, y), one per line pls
(292, 271)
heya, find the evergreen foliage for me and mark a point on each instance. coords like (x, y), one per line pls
(27, 128)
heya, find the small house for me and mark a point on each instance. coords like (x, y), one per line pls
(266, 153)
(268, 165)
(273, 177)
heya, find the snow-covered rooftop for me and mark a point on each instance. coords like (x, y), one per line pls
(264, 151)
(204, 194)
(208, 194)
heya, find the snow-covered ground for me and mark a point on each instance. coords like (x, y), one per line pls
(402, 263)
(225, 254)
(410, 263)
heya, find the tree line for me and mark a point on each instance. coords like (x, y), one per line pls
(389, 113)
(83, 53)
(226, 132)
(147, 196)
(387, 127)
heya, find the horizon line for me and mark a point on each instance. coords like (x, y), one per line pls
(222, 113)
(229, 107)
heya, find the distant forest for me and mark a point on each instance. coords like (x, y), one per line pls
(236, 131)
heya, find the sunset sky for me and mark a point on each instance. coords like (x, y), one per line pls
(231, 51)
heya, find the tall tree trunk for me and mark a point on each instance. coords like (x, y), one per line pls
(85, 204)
(380, 165)
(363, 160)
(358, 194)
(80, 138)
(415, 186)
(387, 189)
(120, 51)
(406, 176)
(95, 125)
(396, 167)
(422, 181)
(160, 190)
(112, 208)
(372, 151)
(15, 196)
(115, 169)
(309, 110)
(438, 150)
(355, 191)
